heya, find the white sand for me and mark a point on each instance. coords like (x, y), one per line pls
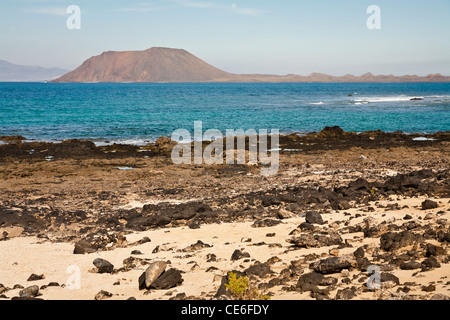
(22, 256)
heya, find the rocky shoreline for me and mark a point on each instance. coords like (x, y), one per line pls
(330, 138)
(341, 204)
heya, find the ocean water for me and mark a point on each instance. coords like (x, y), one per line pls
(139, 113)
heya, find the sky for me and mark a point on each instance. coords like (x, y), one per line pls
(239, 36)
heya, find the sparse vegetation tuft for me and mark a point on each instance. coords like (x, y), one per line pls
(241, 288)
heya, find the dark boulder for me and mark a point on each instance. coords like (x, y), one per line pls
(311, 240)
(443, 236)
(103, 295)
(429, 204)
(145, 223)
(331, 132)
(314, 217)
(357, 185)
(310, 281)
(103, 266)
(430, 263)
(238, 254)
(385, 276)
(83, 247)
(429, 288)
(341, 204)
(432, 250)
(391, 241)
(270, 200)
(169, 279)
(77, 147)
(199, 245)
(265, 223)
(187, 211)
(35, 277)
(305, 226)
(422, 174)
(29, 292)
(412, 265)
(259, 270)
(333, 264)
(154, 270)
(359, 253)
(345, 294)
(362, 264)
(400, 182)
(195, 224)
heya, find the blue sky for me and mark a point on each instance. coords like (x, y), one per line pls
(241, 36)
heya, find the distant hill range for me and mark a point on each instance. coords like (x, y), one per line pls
(14, 72)
(177, 65)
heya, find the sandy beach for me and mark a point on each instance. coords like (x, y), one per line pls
(340, 204)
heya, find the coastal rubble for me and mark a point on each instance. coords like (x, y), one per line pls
(161, 231)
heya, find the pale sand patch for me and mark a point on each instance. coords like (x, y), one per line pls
(23, 256)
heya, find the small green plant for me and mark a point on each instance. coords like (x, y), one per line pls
(242, 290)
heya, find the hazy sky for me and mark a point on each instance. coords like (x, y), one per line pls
(242, 36)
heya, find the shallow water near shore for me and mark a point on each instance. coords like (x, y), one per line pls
(140, 113)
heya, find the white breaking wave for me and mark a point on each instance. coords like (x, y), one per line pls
(386, 99)
(423, 139)
(434, 98)
(134, 142)
(439, 97)
(317, 103)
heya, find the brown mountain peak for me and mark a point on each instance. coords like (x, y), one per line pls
(160, 64)
(155, 64)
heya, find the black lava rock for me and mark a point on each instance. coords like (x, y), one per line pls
(103, 266)
(314, 217)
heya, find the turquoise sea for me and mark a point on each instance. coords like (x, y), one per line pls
(141, 112)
